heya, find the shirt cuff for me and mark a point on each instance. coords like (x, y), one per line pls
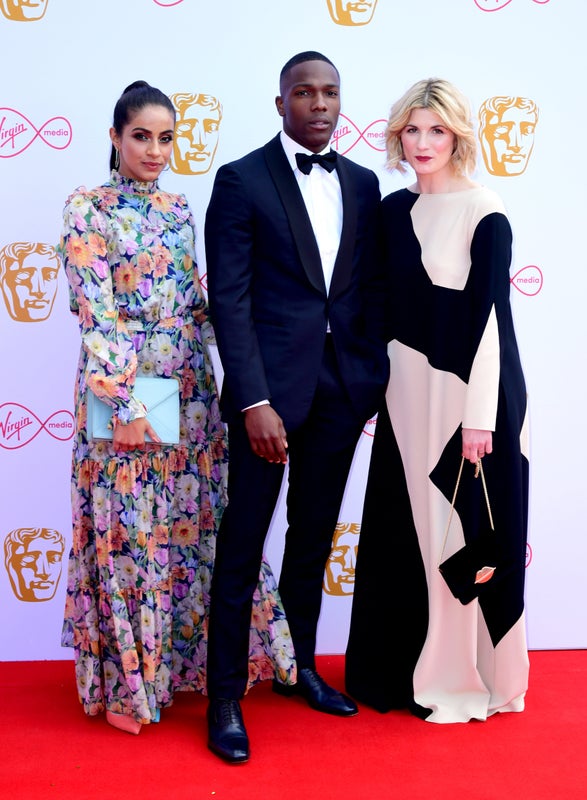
(260, 403)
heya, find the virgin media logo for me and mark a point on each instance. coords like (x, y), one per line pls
(497, 5)
(17, 133)
(348, 135)
(529, 555)
(167, 3)
(369, 427)
(528, 280)
(19, 426)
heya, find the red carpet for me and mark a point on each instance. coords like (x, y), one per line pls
(49, 749)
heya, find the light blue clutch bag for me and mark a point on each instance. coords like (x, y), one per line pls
(161, 399)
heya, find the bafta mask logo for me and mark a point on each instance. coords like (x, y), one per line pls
(196, 132)
(506, 132)
(23, 10)
(344, 12)
(339, 577)
(33, 559)
(28, 278)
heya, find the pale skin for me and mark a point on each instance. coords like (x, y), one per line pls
(428, 145)
(144, 148)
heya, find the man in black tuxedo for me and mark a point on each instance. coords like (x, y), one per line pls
(296, 297)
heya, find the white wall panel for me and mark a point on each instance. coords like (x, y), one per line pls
(64, 66)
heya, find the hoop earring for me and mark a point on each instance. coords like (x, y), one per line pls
(117, 159)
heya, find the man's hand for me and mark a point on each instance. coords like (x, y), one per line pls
(266, 434)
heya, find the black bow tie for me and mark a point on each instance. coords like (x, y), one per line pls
(327, 161)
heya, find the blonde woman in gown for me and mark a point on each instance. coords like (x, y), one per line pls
(456, 389)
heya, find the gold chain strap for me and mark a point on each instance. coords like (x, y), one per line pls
(478, 471)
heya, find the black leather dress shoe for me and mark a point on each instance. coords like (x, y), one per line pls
(227, 736)
(318, 694)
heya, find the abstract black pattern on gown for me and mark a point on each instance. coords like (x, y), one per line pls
(454, 364)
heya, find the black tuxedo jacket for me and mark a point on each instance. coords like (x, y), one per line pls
(267, 295)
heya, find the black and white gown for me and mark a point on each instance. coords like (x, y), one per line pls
(454, 364)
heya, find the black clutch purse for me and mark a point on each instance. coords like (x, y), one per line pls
(475, 564)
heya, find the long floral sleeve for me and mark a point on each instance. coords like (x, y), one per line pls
(112, 360)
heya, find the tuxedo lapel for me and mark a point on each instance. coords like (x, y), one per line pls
(293, 202)
(343, 265)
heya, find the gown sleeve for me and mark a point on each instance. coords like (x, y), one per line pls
(491, 250)
(112, 359)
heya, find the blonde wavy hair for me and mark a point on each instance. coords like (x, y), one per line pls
(444, 99)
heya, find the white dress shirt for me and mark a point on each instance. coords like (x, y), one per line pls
(323, 199)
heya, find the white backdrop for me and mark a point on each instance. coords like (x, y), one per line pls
(65, 64)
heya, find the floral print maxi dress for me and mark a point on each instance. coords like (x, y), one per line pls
(145, 521)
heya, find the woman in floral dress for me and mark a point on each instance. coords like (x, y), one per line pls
(145, 514)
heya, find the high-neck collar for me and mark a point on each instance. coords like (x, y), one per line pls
(131, 186)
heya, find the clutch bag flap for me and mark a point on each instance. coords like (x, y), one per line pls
(471, 566)
(161, 399)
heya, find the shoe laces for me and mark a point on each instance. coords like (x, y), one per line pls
(229, 712)
(317, 681)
